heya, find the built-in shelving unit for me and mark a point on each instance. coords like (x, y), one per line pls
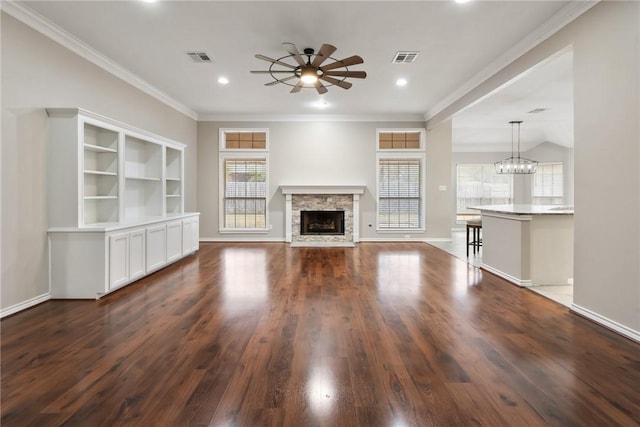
(116, 207)
(100, 174)
(143, 178)
(173, 181)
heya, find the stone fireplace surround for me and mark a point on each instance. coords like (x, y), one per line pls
(322, 197)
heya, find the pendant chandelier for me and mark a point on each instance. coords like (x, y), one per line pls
(516, 164)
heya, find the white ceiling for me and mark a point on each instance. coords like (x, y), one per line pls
(457, 43)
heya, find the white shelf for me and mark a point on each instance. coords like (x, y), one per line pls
(92, 172)
(143, 178)
(99, 149)
(100, 197)
(173, 179)
(173, 195)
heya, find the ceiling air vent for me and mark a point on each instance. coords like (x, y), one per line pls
(405, 57)
(198, 56)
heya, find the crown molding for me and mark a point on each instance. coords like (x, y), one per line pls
(67, 40)
(417, 117)
(559, 20)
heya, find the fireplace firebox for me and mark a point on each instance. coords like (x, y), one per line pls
(321, 222)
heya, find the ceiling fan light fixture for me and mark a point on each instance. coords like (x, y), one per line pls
(309, 75)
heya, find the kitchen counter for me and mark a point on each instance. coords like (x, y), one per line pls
(528, 244)
(526, 209)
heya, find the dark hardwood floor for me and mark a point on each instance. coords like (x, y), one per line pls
(264, 334)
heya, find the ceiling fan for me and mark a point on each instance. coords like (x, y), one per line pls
(311, 72)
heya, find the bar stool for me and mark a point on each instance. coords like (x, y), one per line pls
(476, 227)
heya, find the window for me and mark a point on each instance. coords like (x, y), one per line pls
(400, 164)
(480, 185)
(399, 194)
(243, 180)
(245, 193)
(548, 185)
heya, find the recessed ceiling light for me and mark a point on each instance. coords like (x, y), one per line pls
(223, 80)
(401, 82)
(149, 1)
(462, 1)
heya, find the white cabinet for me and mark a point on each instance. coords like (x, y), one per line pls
(156, 247)
(118, 260)
(174, 241)
(190, 237)
(89, 263)
(137, 253)
(115, 203)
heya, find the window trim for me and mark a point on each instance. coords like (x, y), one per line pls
(237, 155)
(403, 154)
(222, 142)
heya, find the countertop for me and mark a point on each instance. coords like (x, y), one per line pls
(526, 209)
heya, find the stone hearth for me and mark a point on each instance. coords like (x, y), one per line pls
(320, 198)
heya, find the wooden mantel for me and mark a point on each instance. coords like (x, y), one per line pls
(322, 189)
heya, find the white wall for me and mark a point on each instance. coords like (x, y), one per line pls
(606, 49)
(38, 73)
(318, 153)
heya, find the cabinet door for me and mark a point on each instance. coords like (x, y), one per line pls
(118, 260)
(187, 236)
(174, 240)
(195, 234)
(136, 254)
(156, 247)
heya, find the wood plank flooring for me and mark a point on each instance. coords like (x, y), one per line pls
(398, 334)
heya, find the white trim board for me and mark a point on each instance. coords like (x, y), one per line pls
(606, 322)
(505, 276)
(24, 305)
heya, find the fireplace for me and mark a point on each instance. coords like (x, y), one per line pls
(321, 223)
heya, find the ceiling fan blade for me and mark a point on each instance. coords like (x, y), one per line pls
(341, 83)
(346, 62)
(297, 87)
(293, 50)
(320, 87)
(275, 61)
(270, 72)
(352, 74)
(275, 82)
(323, 54)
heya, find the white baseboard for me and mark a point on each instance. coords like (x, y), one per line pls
(242, 239)
(437, 240)
(391, 240)
(24, 305)
(607, 323)
(506, 276)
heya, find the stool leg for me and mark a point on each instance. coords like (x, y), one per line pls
(467, 241)
(475, 239)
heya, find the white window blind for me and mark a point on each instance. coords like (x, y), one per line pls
(479, 184)
(245, 193)
(399, 194)
(548, 184)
